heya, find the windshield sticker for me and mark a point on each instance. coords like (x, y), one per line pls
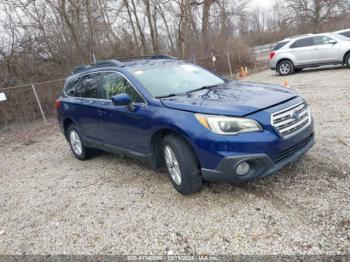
(189, 68)
(2, 97)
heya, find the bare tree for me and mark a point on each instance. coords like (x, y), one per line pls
(315, 11)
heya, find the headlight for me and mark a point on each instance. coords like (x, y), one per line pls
(224, 125)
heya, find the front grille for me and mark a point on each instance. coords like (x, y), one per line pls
(293, 149)
(291, 120)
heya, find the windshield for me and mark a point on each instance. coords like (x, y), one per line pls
(341, 37)
(167, 79)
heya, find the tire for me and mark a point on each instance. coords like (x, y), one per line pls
(79, 150)
(285, 67)
(181, 164)
(347, 60)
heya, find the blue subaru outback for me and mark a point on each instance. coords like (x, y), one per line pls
(169, 112)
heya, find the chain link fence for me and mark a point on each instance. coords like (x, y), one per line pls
(29, 102)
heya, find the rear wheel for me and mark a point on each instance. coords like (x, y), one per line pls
(181, 164)
(79, 150)
(285, 67)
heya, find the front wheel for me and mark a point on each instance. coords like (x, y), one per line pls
(285, 67)
(182, 165)
(347, 60)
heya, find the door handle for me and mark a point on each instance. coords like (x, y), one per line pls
(101, 112)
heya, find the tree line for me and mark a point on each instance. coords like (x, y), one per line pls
(44, 39)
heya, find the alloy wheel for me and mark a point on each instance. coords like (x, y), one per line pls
(285, 68)
(172, 165)
(75, 142)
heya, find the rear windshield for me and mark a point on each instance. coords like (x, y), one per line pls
(279, 45)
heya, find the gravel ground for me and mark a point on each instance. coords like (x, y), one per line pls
(52, 203)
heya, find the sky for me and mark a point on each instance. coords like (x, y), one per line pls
(262, 3)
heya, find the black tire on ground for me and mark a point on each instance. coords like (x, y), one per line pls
(347, 60)
(285, 67)
(86, 152)
(191, 180)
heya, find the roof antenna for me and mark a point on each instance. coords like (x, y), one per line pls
(93, 58)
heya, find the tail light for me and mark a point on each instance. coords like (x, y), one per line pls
(272, 54)
(57, 104)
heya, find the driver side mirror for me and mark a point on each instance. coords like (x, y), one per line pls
(122, 100)
(332, 42)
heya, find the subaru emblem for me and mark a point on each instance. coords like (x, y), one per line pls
(295, 114)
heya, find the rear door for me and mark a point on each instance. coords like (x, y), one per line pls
(323, 51)
(87, 106)
(302, 50)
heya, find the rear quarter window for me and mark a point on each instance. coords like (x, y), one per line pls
(279, 45)
(70, 88)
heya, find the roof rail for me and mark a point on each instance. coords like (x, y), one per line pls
(297, 36)
(111, 62)
(130, 58)
(80, 68)
(118, 62)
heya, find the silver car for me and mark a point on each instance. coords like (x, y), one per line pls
(345, 32)
(312, 50)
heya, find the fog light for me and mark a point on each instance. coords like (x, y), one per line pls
(242, 169)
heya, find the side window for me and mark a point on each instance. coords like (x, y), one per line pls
(321, 40)
(114, 84)
(304, 42)
(89, 86)
(69, 89)
(347, 34)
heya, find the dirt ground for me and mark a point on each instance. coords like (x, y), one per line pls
(52, 203)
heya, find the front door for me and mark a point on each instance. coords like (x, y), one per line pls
(123, 126)
(325, 52)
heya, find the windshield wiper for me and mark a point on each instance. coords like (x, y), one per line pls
(201, 88)
(166, 96)
(188, 92)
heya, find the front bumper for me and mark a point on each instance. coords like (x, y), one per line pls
(261, 164)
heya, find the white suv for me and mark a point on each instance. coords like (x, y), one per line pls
(295, 53)
(345, 32)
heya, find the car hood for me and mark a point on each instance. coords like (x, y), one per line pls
(234, 98)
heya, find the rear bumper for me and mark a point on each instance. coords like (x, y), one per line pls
(261, 165)
(272, 64)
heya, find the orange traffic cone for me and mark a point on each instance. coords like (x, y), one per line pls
(241, 72)
(286, 84)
